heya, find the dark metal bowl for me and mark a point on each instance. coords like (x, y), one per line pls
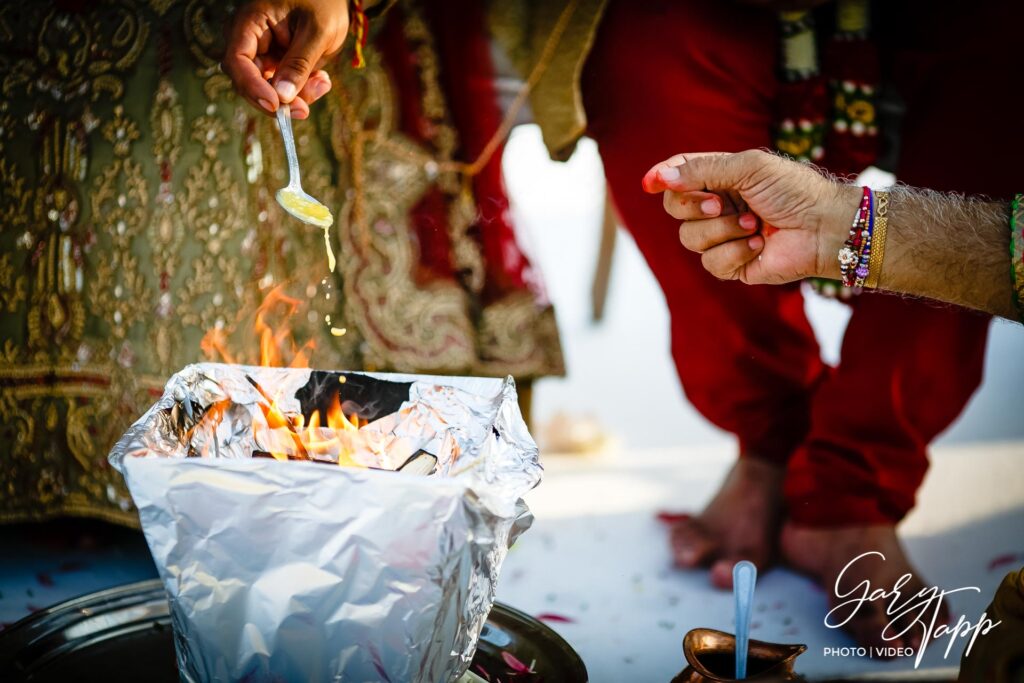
(124, 634)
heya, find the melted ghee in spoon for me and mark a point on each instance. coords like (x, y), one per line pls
(310, 211)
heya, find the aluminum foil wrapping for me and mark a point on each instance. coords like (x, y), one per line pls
(305, 571)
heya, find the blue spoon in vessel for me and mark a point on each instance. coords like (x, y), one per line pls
(744, 578)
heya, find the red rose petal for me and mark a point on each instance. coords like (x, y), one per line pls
(514, 663)
(558, 618)
(667, 517)
(1001, 561)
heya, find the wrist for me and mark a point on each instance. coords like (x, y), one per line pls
(837, 211)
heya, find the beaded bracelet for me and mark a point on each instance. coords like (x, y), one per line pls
(1017, 252)
(878, 235)
(866, 237)
(852, 255)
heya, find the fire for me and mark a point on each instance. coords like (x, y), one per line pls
(304, 441)
(272, 329)
(272, 342)
(330, 441)
(336, 417)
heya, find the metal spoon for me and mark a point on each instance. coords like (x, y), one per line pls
(292, 197)
(744, 577)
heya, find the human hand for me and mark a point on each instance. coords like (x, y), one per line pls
(756, 217)
(287, 42)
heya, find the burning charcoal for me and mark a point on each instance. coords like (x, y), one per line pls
(420, 463)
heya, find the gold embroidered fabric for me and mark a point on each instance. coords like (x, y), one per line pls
(137, 213)
(522, 27)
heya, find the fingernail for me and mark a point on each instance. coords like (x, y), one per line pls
(747, 221)
(669, 173)
(709, 207)
(266, 105)
(319, 88)
(298, 113)
(755, 242)
(286, 89)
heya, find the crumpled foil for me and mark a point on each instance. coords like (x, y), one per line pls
(304, 571)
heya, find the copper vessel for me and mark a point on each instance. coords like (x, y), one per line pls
(711, 657)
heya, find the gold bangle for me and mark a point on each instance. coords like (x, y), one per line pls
(878, 240)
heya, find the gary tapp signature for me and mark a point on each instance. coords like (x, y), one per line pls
(906, 612)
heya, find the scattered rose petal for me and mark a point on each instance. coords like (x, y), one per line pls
(483, 672)
(667, 517)
(514, 663)
(1002, 561)
(557, 618)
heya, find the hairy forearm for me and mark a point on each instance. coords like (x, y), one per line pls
(940, 246)
(949, 248)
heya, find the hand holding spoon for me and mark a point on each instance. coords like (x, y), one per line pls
(744, 577)
(292, 197)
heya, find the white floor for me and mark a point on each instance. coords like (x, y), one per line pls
(597, 557)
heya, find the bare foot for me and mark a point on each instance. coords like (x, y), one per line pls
(828, 555)
(740, 523)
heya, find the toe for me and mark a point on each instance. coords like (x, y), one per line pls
(692, 546)
(867, 630)
(721, 574)
(721, 570)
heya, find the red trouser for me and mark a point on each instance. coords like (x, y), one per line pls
(680, 75)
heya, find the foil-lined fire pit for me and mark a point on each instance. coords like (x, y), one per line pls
(312, 525)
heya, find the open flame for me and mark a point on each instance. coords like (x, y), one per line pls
(331, 441)
(273, 330)
(294, 437)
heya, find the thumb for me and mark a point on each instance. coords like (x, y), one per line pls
(308, 44)
(721, 172)
(708, 171)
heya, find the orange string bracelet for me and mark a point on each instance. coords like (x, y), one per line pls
(360, 26)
